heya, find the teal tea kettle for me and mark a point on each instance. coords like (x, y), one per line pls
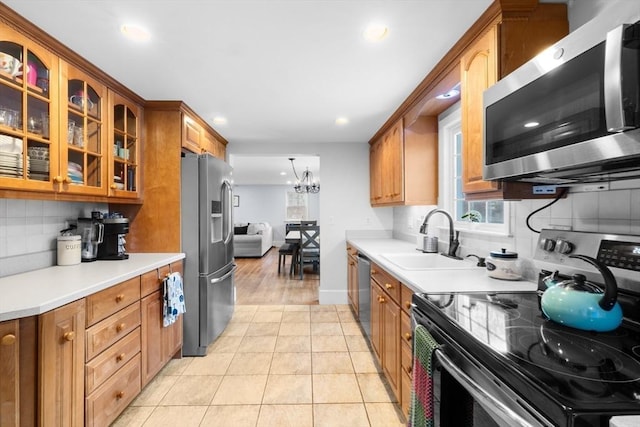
(581, 304)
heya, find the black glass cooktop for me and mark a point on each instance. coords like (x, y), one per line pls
(579, 370)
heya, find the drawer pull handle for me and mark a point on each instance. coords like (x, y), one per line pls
(407, 336)
(120, 357)
(119, 395)
(373, 271)
(69, 336)
(120, 327)
(408, 305)
(8, 339)
(119, 297)
(381, 299)
(388, 285)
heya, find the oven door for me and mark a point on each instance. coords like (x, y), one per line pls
(466, 393)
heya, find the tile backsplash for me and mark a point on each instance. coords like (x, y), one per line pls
(28, 231)
(614, 211)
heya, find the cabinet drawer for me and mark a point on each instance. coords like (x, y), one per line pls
(109, 400)
(103, 334)
(104, 303)
(152, 280)
(387, 282)
(405, 299)
(406, 359)
(406, 334)
(107, 363)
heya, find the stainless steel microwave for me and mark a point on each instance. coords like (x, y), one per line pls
(571, 114)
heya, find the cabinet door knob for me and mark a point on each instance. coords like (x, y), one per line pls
(388, 285)
(373, 271)
(119, 395)
(120, 327)
(410, 370)
(66, 180)
(8, 339)
(120, 357)
(407, 336)
(119, 297)
(57, 179)
(407, 304)
(113, 186)
(69, 336)
(381, 299)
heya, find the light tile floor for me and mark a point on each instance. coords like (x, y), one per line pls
(273, 366)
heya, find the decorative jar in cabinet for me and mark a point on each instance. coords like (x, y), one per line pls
(28, 115)
(125, 147)
(82, 137)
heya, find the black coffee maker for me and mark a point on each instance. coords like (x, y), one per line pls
(113, 244)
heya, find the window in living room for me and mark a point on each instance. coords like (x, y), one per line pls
(297, 206)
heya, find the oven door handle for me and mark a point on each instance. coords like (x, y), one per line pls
(481, 395)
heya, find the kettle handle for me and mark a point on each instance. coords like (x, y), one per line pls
(610, 296)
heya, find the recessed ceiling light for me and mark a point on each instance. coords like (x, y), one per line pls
(219, 120)
(531, 124)
(135, 32)
(283, 173)
(341, 121)
(375, 32)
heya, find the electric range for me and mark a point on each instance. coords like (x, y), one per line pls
(555, 375)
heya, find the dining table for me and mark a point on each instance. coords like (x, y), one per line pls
(292, 236)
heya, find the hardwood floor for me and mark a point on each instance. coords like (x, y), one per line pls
(258, 282)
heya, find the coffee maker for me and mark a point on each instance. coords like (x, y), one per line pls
(112, 247)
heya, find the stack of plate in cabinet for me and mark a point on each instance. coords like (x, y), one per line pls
(75, 173)
(38, 163)
(11, 161)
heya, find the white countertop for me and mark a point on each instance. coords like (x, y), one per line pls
(472, 280)
(39, 291)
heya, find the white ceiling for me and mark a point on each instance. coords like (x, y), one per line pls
(279, 70)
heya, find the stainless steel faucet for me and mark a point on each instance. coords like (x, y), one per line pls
(453, 241)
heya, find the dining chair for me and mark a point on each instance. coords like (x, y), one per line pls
(309, 252)
(284, 250)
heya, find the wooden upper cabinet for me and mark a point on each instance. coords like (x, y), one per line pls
(517, 34)
(82, 137)
(479, 71)
(404, 164)
(125, 147)
(190, 134)
(29, 115)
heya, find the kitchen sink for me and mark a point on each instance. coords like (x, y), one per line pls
(422, 261)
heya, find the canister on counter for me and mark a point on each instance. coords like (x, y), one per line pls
(69, 249)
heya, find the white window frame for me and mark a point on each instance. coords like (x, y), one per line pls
(302, 198)
(450, 124)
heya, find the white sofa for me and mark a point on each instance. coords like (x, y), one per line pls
(255, 243)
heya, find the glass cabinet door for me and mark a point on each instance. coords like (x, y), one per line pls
(125, 147)
(82, 134)
(28, 114)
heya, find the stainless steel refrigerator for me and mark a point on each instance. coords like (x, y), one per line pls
(207, 241)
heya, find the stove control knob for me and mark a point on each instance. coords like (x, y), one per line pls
(548, 245)
(564, 247)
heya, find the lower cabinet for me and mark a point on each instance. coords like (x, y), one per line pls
(391, 333)
(9, 373)
(83, 363)
(352, 279)
(385, 325)
(159, 343)
(61, 365)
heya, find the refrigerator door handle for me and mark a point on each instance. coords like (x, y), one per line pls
(227, 197)
(223, 278)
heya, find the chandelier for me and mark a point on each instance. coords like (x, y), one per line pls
(307, 184)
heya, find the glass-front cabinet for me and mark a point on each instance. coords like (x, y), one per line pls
(82, 134)
(28, 114)
(125, 147)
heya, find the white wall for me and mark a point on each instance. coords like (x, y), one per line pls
(267, 203)
(344, 204)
